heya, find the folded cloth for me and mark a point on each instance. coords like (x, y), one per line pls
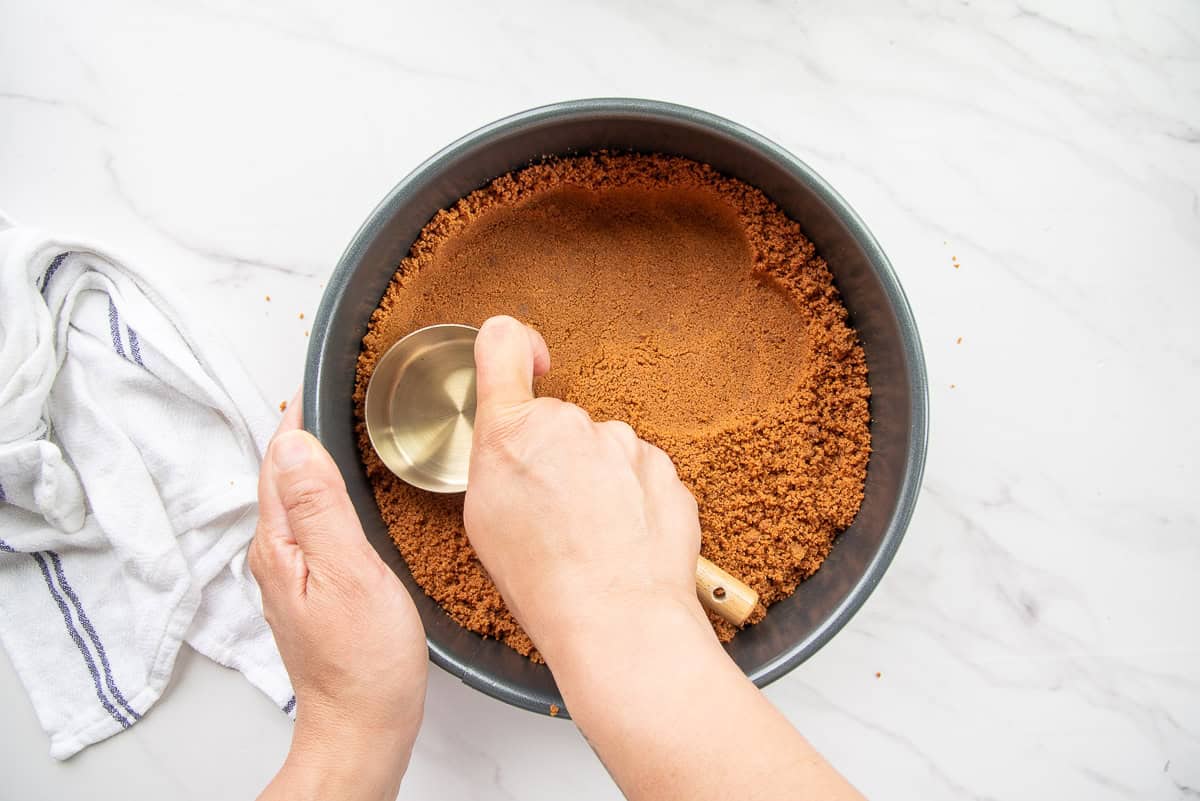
(129, 458)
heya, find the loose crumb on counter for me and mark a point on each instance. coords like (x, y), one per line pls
(672, 297)
(554, 710)
(283, 406)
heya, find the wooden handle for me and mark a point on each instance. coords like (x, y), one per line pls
(733, 600)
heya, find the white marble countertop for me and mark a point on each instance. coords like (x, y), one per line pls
(1037, 635)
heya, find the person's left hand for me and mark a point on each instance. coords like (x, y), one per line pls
(347, 630)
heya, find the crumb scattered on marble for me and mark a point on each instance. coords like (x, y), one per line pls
(268, 298)
(306, 332)
(952, 386)
(554, 710)
(958, 341)
(283, 406)
(878, 675)
(301, 315)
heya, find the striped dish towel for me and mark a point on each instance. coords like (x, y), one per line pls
(129, 456)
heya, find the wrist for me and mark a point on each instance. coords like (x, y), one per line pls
(608, 657)
(334, 757)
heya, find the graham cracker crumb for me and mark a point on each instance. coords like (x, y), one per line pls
(672, 297)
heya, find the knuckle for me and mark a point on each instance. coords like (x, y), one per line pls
(623, 439)
(621, 431)
(656, 459)
(545, 405)
(545, 413)
(500, 430)
(540, 421)
(572, 416)
(306, 498)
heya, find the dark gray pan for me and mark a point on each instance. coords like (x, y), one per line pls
(795, 628)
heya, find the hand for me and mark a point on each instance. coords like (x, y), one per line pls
(346, 628)
(577, 522)
(592, 541)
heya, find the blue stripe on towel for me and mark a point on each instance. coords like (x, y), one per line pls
(114, 325)
(71, 630)
(51, 270)
(87, 626)
(134, 345)
(92, 635)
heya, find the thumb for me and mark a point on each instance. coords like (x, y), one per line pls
(302, 497)
(508, 355)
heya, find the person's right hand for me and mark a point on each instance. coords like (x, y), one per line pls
(578, 522)
(592, 540)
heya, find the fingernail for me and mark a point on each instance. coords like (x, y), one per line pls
(290, 450)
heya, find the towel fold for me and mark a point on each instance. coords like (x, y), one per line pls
(129, 458)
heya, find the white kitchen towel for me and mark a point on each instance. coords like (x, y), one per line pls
(129, 458)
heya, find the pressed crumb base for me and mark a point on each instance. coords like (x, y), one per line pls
(676, 299)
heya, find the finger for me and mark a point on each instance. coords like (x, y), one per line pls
(507, 356)
(293, 413)
(621, 433)
(302, 498)
(541, 353)
(658, 475)
(268, 509)
(279, 568)
(673, 511)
